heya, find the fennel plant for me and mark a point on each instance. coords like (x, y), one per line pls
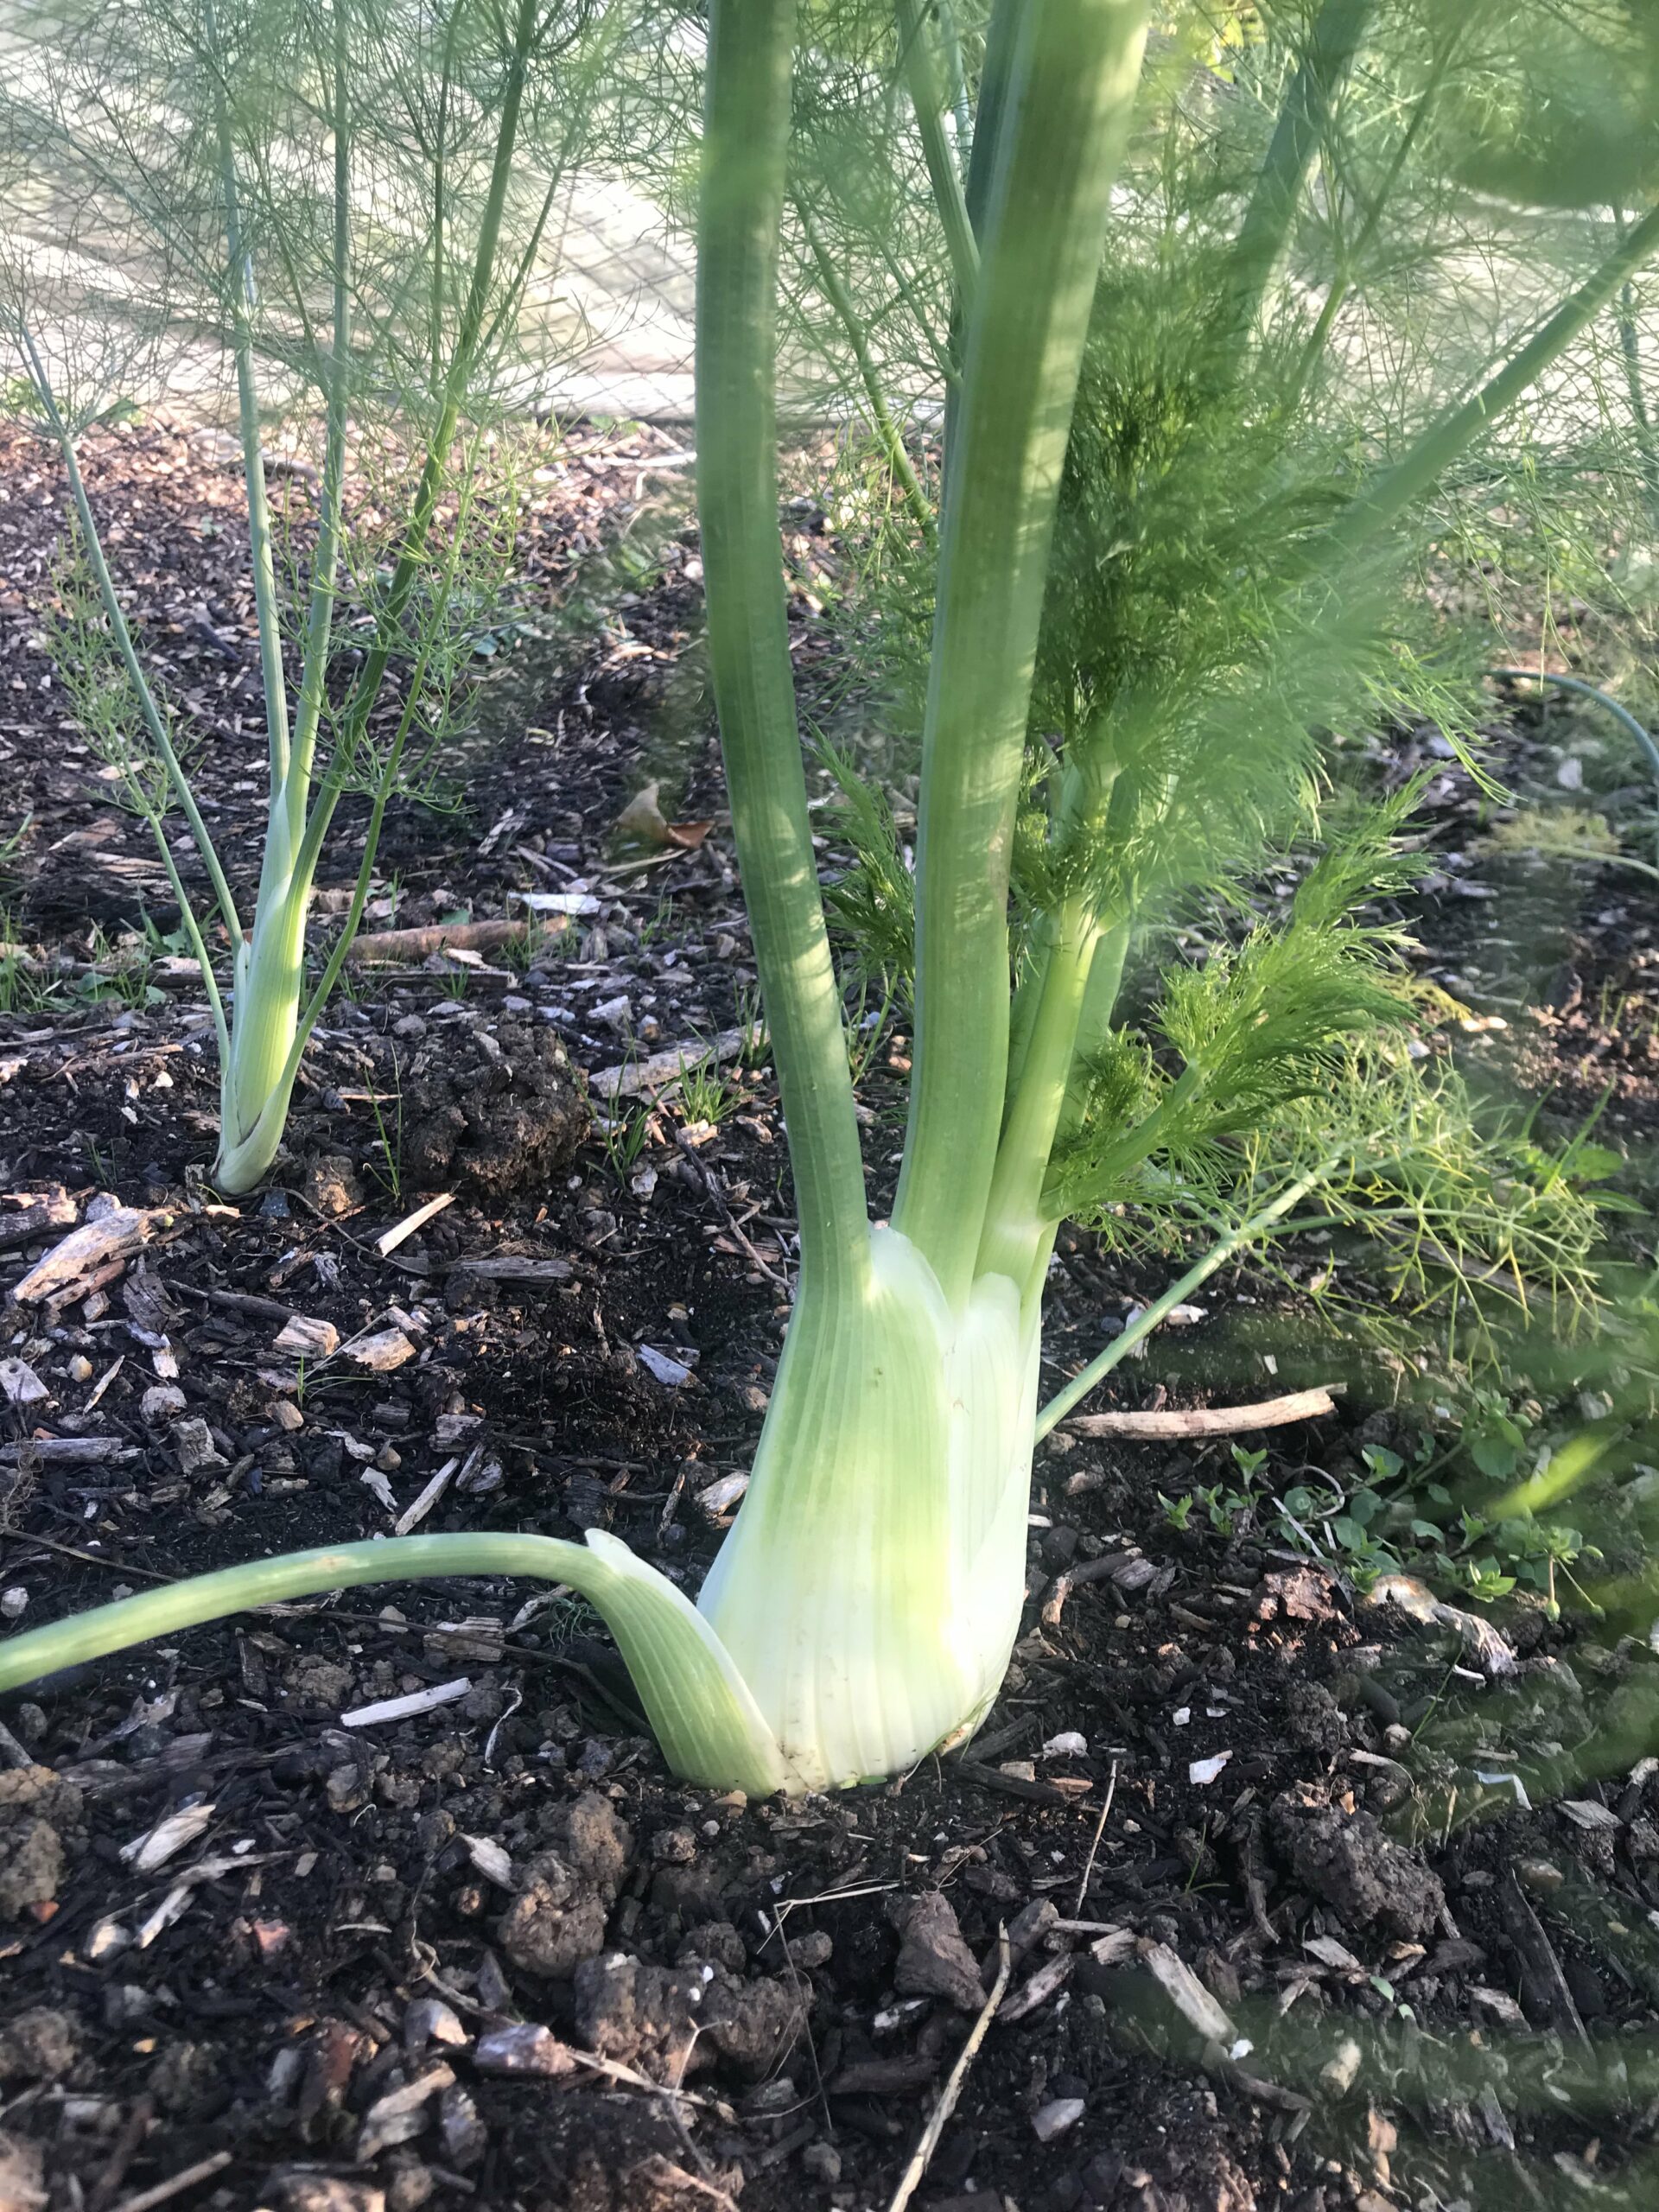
(339, 196)
(1167, 552)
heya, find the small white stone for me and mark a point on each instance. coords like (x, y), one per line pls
(160, 1403)
(108, 1937)
(670, 1372)
(1055, 2116)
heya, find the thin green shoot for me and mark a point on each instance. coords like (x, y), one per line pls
(625, 1139)
(389, 1143)
(706, 1093)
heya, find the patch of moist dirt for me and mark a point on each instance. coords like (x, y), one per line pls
(1347, 1861)
(483, 1950)
(39, 1821)
(489, 1111)
(411, 1956)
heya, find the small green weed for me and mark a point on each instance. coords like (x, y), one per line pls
(624, 1141)
(705, 1093)
(391, 1142)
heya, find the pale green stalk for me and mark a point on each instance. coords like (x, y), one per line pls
(956, 74)
(993, 78)
(995, 71)
(187, 914)
(927, 97)
(1063, 1009)
(241, 1164)
(1016, 1220)
(701, 1713)
(885, 429)
(1141, 1327)
(1303, 120)
(241, 302)
(354, 715)
(440, 202)
(155, 721)
(274, 972)
(1105, 979)
(319, 613)
(1629, 347)
(254, 1094)
(259, 1145)
(1070, 91)
(870, 1591)
(745, 134)
(1447, 440)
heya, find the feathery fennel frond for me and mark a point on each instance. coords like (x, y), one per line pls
(1253, 1028)
(1440, 1203)
(871, 907)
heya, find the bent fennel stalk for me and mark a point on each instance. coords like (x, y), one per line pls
(863, 1609)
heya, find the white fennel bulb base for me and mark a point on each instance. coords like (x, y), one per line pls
(869, 1593)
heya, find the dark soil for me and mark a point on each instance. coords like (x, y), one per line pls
(1301, 1906)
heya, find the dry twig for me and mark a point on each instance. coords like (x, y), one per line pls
(1211, 1421)
(1100, 1830)
(911, 2178)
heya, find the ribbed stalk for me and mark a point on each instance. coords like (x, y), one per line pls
(320, 613)
(927, 97)
(1105, 981)
(1070, 90)
(993, 78)
(263, 1021)
(1445, 441)
(1015, 1220)
(745, 138)
(241, 300)
(1303, 119)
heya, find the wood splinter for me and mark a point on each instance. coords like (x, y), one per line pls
(1211, 1420)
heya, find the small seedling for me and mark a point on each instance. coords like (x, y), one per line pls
(705, 1094)
(624, 1141)
(864, 1035)
(1487, 1580)
(391, 1152)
